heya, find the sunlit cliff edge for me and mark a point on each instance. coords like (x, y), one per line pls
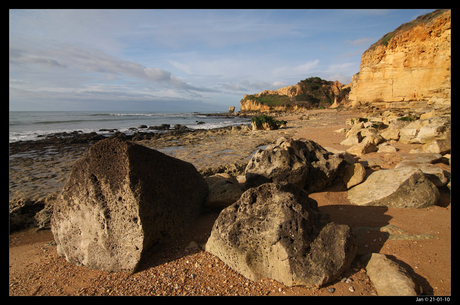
(412, 63)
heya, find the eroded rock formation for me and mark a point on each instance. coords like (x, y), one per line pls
(412, 63)
(121, 199)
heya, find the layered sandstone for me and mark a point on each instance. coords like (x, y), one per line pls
(413, 63)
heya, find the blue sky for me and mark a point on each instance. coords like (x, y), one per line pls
(181, 60)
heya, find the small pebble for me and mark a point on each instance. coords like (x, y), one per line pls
(351, 289)
(331, 290)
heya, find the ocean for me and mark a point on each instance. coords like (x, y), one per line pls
(32, 125)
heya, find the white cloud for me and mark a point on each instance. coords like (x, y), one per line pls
(98, 62)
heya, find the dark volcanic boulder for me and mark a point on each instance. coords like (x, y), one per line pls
(121, 199)
(301, 162)
(277, 231)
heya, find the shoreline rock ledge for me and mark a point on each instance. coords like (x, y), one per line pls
(120, 200)
(277, 231)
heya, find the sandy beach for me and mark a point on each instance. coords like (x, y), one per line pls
(422, 243)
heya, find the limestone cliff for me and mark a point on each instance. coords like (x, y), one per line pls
(412, 63)
(308, 93)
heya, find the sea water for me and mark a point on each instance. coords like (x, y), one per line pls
(32, 125)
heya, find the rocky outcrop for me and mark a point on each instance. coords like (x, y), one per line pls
(297, 98)
(254, 105)
(301, 162)
(290, 91)
(405, 187)
(277, 231)
(122, 198)
(366, 133)
(388, 277)
(413, 63)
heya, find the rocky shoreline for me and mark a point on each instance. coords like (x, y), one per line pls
(39, 170)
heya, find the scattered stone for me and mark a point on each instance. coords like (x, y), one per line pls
(362, 148)
(424, 131)
(331, 289)
(400, 188)
(368, 132)
(374, 139)
(354, 174)
(423, 158)
(388, 277)
(390, 134)
(386, 148)
(435, 146)
(122, 198)
(301, 162)
(304, 117)
(224, 192)
(355, 129)
(277, 231)
(161, 127)
(180, 127)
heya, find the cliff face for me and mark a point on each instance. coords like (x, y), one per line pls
(247, 104)
(413, 63)
(252, 105)
(290, 91)
(297, 98)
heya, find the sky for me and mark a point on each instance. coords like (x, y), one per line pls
(181, 60)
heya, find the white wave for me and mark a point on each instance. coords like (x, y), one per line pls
(38, 134)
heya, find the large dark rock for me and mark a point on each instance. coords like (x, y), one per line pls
(277, 231)
(22, 215)
(121, 199)
(301, 162)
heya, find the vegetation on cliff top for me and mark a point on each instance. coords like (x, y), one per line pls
(314, 92)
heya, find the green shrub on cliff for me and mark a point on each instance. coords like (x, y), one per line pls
(314, 92)
(260, 120)
(270, 99)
